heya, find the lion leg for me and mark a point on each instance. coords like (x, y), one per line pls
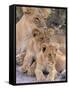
(52, 74)
(60, 63)
(31, 69)
(20, 58)
(39, 75)
(27, 61)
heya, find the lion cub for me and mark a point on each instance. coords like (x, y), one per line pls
(46, 68)
(46, 62)
(33, 49)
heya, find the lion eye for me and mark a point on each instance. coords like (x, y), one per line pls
(49, 54)
(34, 34)
(41, 38)
(37, 19)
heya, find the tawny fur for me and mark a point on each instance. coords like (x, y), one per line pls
(31, 41)
(27, 23)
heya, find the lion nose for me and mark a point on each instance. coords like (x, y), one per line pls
(46, 72)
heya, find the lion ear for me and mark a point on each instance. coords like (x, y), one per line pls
(27, 10)
(46, 12)
(35, 32)
(43, 47)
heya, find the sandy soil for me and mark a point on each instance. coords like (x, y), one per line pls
(23, 78)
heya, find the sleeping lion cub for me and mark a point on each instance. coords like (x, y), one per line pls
(48, 62)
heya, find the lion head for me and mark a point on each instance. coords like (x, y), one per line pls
(38, 35)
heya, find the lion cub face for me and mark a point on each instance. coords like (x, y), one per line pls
(49, 52)
(38, 35)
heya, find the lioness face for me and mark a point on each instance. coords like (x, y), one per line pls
(49, 50)
(37, 16)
